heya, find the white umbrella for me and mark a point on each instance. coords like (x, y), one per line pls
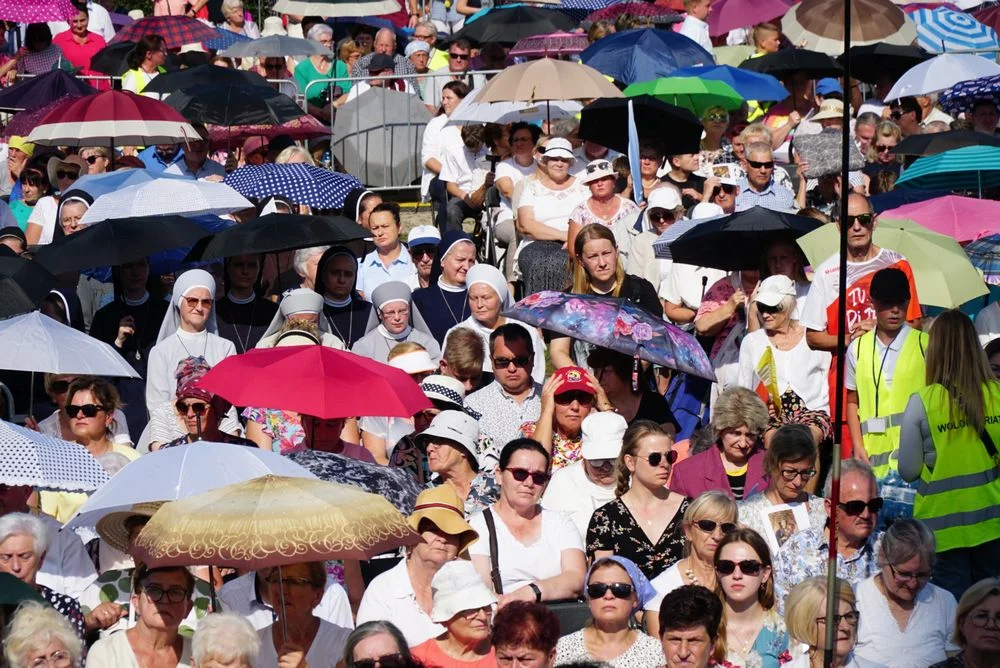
(182, 197)
(35, 342)
(940, 73)
(470, 110)
(183, 471)
(33, 459)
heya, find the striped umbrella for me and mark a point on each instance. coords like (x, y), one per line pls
(972, 168)
(984, 254)
(940, 30)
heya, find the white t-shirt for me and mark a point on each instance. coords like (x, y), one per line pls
(686, 284)
(326, 651)
(43, 215)
(571, 491)
(115, 651)
(926, 639)
(520, 563)
(239, 596)
(463, 168)
(432, 146)
(801, 369)
(889, 353)
(515, 172)
(664, 583)
(553, 207)
(390, 597)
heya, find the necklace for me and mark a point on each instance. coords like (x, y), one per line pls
(138, 330)
(350, 326)
(236, 330)
(454, 318)
(690, 574)
(204, 348)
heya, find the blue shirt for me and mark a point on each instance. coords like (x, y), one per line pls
(372, 273)
(776, 197)
(154, 162)
(208, 168)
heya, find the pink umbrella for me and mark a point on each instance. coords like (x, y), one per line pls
(552, 45)
(732, 14)
(962, 218)
(36, 11)
(304, 127)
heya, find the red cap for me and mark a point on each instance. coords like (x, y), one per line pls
(574, 379)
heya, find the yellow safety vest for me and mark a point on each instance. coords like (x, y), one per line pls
(880, 407)
(960, 499)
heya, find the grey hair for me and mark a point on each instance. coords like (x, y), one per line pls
(289, 152)
(112, 462)
(426, 24)
(852, 465)
(907, 538)
(936, 126)
(225, 637)
(756, 131)
(385, 31)
(374, 628)
(564, 127)
(319, 29)
(868, 118)
(229, 5)
(736, 407)
(34, 626)
(302, 256)
(758, 147)
(23, 524)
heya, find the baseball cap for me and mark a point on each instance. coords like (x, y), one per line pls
(663, 198)
(423, 235)
(890, 286)
(602, 435)
(574, 379)
(827, 86)
(381, 61)
(774, 289)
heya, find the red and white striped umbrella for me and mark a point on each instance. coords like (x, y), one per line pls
(112, 118)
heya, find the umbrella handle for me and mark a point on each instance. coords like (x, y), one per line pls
(281, 595)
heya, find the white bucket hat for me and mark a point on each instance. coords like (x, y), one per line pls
(457, 587)
(273, 26)
(455, 427)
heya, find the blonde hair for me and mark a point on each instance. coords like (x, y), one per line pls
(581, 280)
(403, 348)
(736, 407)
(806, 601)
(758, 31)
(710, 505)
(972, 597)
(883, 129)
(956, 361)
(347, 48)
(34, 626)
(755, 131)
(637, 431)
(464, 352)
(291, 151)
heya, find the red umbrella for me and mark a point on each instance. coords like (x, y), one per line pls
(36, 11)
(112, 118)
(175, 30)
(317, 381)
(988, 16)
(304, 127)
(732, 14)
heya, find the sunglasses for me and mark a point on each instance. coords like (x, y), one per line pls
(417, 253)
(718, 118)
(184, 407)
(708, 526)
(654, 458)
(91, 159)
(882, 148)
(764, 308)
(658, 217)
(192, 302)
(855, 508)
(67, 174)
(386, 661)
(598, 167)
(59, 386)
(537, 477)
(749, 567)
(865, 219)
(504, 362)
(458, 56)
(566, 398)
(599, 589)
(88, 410)
(761, 165)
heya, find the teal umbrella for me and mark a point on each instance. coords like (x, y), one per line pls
(972, 168)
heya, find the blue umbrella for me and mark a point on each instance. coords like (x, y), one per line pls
(225, 39)
(750, 85)
(985, 256)
(169, 261)
(973, 168)
(960, 97)
(96, 185)
(645, 54)
(302, 184)
(44, 89)
(940, 30)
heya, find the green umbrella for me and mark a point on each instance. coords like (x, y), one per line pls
(13, 591)
(944, 275)
(693, 93)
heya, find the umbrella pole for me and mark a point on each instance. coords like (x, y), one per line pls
(281, 596)
(197, 418)
(31, 398)
(211, 589)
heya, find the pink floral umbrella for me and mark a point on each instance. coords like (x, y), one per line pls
(553, 45)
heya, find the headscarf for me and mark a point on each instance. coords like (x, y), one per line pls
(352, 203)
(489, 275)
(71, 306)
(449, 240)
(72, 196)
(299, 300)
(189, 371)
(644, 590)
(332, 252)
(185, 283)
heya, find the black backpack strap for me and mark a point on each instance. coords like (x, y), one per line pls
(491, 528)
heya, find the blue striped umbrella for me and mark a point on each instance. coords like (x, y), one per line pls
(225, 40)
(940, 30)
(302, 184)
(974, 168)
(984, 254)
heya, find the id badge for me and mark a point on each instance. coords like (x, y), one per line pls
(877, 425)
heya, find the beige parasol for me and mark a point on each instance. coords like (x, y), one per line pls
(547, 79)
(819, 24)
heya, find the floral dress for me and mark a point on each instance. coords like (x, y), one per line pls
(283, 427)
(565, 450)
(612, 527)
(769, 650)
(584, 216)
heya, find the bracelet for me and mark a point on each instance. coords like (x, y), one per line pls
(538, 591)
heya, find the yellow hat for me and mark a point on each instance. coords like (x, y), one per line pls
(441, 506)
(21, 144)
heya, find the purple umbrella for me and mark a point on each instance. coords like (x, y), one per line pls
(39, 91)
(23, 122)
(732, 14)
(120, 19)
(36, 11)
(552, 45)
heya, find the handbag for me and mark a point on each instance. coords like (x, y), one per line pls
(573, 614)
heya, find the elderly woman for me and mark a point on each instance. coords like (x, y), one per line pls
(236, 21)
(394, 310)
(735, 464)
(224, 639)
(201, 412)
(603, 207)
(450, 444)
(525, 635)
(161, 599)
(489, 297)
(389, 261)
(615, 589)
(905, 620)
(789, 465)
(317, 67)
(464, 605)
(24, 540)
(55, 215)
(706, 522)
(777, 362)
(715, 147)
(978, 607)
(538, 553)
(543, 215)
(444, 303)
(377, 643)
(568, 397)
(805, 618)
(344, 310)
(642, 523)
(40, 636)
(188, 330)
(403, 594)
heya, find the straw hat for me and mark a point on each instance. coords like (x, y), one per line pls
(441, 506)
(113, 526)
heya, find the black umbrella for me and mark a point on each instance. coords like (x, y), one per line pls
(212, 75)
(507, 25)
(23, 285)
(113, 59)
(938, 142)
(738, 241)
(43, 89)
(117, 241)
(277, 232)
(230, 105)
(605, 121)
(871, 61)
(814, 64)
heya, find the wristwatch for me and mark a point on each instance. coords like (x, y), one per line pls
(538, 591)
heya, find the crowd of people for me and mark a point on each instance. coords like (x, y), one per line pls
(579, 505)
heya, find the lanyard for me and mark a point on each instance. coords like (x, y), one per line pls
(878, 378)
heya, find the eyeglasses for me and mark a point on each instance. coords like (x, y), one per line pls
(907, 576)
(882, 148)
(865, 219)
(504, 362)
(982, 618)
(192, 302)
(855, 508)
(717, 117)
(386, 661)
(537, 477)
(59, 386)
(274, 581)
(601, 463)
(791, 474)
(708, 526)
(761, 165)
(196, 407)
(58, 659)
(88, 410)
(764, 308)
(458, 56)
(849, 617)
(599, 589)
(657, 216)
(654, 458)
(566, 398)
(156, 593)
(749, 567)
(67, 174)
(91, 159)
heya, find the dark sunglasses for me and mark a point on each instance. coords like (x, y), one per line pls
(866, 219)
(504, 362)
(566, 398)
(88, 410)
(198, 408)
(855, 508)
(708, 526)
(419, 252)
(66, 174)
(659, 217)
(764, 308)
(194, 301)
(91, 159)
(749, 567)
(598, 167)
(599, 589)
(654, 458)
(537, 477)
(761, 165)
(882, 148)
(458, 56)
(59, 386)
(386, 661)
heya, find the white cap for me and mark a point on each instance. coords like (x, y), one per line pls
(418, 361)
(457, 587)
(193, 47)
(663, 198)
(706, 210)
(423, 235)
(602, 435)
(273, 26)
(559, 148)
(774, 289)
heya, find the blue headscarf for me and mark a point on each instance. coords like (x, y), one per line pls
(644, 591)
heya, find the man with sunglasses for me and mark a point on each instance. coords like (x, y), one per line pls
(758, 187)
(422, 244)
(459, 60)
(804, 555)
(906, 112)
